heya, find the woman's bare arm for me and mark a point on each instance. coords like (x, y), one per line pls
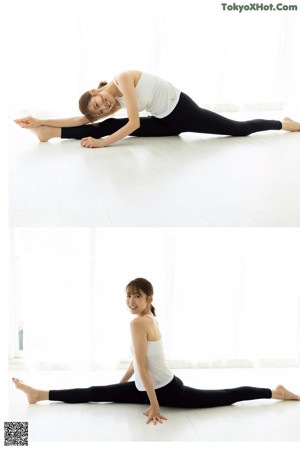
(130, 371)
(139, 338)
(32, 122)
(71, 122)
(126, 83)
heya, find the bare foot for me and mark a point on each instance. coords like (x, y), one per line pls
(290, 125)
(33, 395)
(44, 133)
(281, 393)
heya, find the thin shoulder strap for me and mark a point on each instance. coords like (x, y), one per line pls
(114, 81)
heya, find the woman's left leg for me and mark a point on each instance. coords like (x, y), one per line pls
(116, 393)
(188, 116)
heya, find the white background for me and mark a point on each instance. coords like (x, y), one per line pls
(50, 64)
(223, 59)
(224, 297)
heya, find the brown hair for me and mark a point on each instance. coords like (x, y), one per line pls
(141, 284)
(84, 102)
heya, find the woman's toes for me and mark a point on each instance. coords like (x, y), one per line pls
(290, 125)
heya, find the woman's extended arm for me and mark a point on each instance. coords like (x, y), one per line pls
(126, 84)
(139, 338)
(129, 372)
(31, 122)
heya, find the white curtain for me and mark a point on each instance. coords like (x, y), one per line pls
(224, 297)
(225, 60)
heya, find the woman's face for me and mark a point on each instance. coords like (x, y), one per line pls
(101, 103)
(137, 302)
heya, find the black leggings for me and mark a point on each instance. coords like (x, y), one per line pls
(187, 116)
(174, 394)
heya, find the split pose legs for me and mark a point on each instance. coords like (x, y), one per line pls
(186, 117)
(154, 382)
(174, 394)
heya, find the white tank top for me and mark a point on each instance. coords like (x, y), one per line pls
(155, 95)
(160, 374)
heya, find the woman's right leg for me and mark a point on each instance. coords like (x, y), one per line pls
(96, 131)
(45, 132)
(149, 127)
(176, 394)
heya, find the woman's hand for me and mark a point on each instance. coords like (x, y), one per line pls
(28, 122)
(154, 414)
(90, 142)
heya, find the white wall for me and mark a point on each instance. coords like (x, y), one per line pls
(225, 60)
(223, 296)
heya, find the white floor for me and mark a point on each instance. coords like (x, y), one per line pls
(259, 420)
(191, 180)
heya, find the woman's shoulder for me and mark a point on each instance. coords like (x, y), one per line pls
(138, 322)
(142, 322)
(138, 327)
(135, 75)
(146, 325)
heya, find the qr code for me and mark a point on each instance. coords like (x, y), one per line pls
(16, 433)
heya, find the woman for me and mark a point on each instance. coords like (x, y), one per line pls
(172, 112)
(154, 382)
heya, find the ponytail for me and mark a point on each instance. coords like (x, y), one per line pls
(102, 84)
(153, 310)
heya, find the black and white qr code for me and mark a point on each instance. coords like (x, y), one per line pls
(16, 433)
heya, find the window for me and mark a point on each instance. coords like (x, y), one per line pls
(225, 60)
(223, 296)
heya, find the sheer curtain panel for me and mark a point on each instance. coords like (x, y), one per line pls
(224, 297)
(225, 60)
